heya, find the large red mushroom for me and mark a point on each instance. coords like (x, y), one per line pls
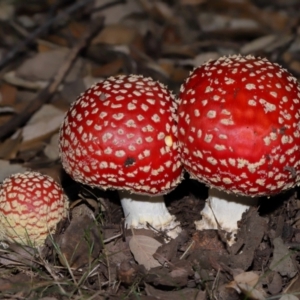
(31, 205)
(239, 133)
(122, 134)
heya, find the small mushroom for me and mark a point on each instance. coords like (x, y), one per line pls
(121, 134)
(239, 133)
(31, 205)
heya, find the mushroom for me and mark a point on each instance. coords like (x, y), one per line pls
(31, 205)
(238, 121)
(121, 134)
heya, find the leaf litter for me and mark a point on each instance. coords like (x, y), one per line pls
(143, 248)
(91, 256)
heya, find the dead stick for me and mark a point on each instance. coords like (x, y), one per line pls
(21, 46)
(45, 95)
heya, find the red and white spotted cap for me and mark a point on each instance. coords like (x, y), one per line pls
(122, 134)
(31, 205)
(239, 125)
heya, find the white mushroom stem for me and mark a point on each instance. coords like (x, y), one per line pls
(141, 209)
(223, 211)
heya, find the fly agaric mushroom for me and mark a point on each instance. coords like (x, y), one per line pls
(31, 205)
(239, 133)
(121, 134)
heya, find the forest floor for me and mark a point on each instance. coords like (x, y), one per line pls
(40, 40)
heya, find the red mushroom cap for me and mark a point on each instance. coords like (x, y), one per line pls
(122, 134)
(31, 205)
(239, 125)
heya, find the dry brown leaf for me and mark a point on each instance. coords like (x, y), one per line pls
(13, 79)
(45, 46)
(8, 94)
(295, 66)
(81, 242)
(18, 284)
(164, 10)
(274, 283)
(282, 261)
(88, 81)
(179, 75)
(7, 11)
(29, 150)
(108, 69)
(250, 278)
(248, 284)
(167, 65)
(143, 247)
(18, 255)
(43, 66)
(258, 44)
(10, 147)
(76, 29)
(281, 42)
(156, 67)
(116, 34)
(58, 40)
(249, 10)
(43, 122)
(51, 150)
(213, 23)
(116, 13)
(293, 287)
(7, 169)
(182, 50)
(117, 250)
(251, 292)
(289, 297)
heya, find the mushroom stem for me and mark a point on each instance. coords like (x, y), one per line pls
(142, 209)
(223, 210)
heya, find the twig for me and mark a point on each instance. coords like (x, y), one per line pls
(45, 95)
(21, 46)
(112, 238)
(36, 33)
(187, 250)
